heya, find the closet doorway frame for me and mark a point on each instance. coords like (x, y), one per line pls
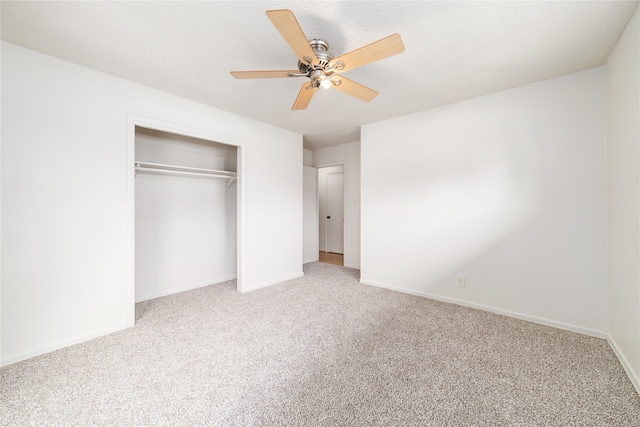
(136, 121)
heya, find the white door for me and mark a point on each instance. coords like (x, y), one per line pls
(335, 213)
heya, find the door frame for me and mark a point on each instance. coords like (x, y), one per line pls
(133, 121)
(344, 205)
(332, 226)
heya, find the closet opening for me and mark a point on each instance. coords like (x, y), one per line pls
(187, 221)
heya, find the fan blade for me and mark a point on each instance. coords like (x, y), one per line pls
(275, 74)
(304, 97)
(375, 51)
(352, 88)
(285, 21)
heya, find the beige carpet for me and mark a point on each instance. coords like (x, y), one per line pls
(321, 350)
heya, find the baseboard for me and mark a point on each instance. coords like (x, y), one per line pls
(61, 344)
(631, 373)
(183, 289)
(273, 282)
(534, 319)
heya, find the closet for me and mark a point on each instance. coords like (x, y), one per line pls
(185, 213)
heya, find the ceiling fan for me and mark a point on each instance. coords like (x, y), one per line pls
(317, 64)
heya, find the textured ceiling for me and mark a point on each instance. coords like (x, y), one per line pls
(453, 50)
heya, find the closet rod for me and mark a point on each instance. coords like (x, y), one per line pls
(143, 169)
(157, 167)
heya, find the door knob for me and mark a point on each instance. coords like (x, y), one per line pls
(328, 217)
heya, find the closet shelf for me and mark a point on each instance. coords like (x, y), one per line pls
(184, 170)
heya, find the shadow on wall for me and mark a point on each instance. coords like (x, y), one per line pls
(462, 213)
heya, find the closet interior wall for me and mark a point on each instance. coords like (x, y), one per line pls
(185, 225)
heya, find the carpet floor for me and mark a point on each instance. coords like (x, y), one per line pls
(321, 350)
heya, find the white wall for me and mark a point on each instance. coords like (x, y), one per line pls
(349, 156)
(307, 157)
(65, 203)
(310, 199)
(623, 155)
(507, 190)
(185, 225)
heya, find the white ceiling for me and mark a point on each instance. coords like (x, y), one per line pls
(453, 50)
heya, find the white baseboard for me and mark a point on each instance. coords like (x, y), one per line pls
(165, 293)
(273, 282)
(631, 373)
(534, 319)
(61, 344)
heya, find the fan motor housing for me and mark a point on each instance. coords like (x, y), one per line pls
(321, 49)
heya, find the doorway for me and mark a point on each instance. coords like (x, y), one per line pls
(331, 214)
(134, 122)
(185, 213)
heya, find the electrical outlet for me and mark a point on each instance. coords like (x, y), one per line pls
(461, 283)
